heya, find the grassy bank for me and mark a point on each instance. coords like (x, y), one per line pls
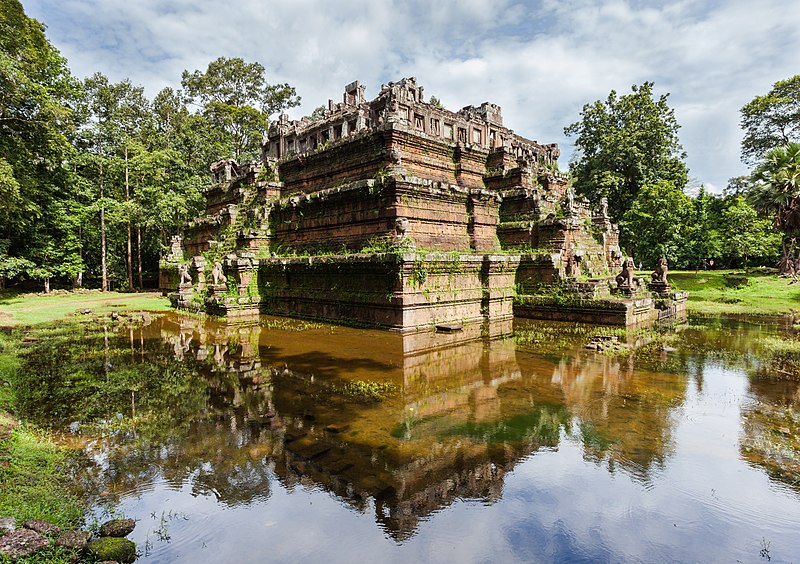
(31, 309)
(34, 483)
(722, 292)
(33, 479)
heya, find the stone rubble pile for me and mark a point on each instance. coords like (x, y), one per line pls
(36, 535)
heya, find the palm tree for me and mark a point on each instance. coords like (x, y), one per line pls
(777, 192)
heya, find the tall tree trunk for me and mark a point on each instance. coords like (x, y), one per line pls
(103, 265)
(139, 253)
(78, 282)
(787, 267)
(127, 200)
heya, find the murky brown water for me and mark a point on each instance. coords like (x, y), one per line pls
(293, 442)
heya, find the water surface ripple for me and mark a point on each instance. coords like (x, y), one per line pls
(276, 440)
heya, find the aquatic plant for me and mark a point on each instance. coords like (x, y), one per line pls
(365, 391)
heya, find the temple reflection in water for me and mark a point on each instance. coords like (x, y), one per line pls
(399, 425)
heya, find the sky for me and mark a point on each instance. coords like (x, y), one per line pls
(540, 60)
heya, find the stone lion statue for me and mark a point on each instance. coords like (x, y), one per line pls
(625, 279)
(400, 226)
(660, 273)
(183, 272)
(217, 274)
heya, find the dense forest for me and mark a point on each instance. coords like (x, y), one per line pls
(95, 177)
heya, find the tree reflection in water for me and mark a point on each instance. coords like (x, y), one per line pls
(230, 409)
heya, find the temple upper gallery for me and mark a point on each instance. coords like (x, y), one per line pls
(399, 213)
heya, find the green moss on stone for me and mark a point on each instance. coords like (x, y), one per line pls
(113, 548)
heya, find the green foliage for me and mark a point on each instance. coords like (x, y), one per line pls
(777, 186)
(85, 373)
(701, 234)
(11, 266)
(381, 244)
(655, 222)
(557, 338)
(542, 424)
(745, 236)
(776, 192)
(365, 392)
(771, 120)
(37, 118)
(623, 144)
(739, 186)
(237, 101)
(317, 115)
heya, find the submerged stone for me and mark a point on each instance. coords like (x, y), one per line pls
(117, 527)
(113, 548)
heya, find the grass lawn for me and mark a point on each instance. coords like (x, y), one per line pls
(31, 309)
(712, 293)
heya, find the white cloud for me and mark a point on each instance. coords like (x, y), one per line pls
(541, 61)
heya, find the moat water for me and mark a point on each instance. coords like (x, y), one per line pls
(287, 441)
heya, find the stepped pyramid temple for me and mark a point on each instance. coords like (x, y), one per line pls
(398, 213)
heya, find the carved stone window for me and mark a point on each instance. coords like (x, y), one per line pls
(462, 135)
(303, 144)
(323, 137)
(351, 126)
(448, 130)
(476, 136)
(435, 129)
(419, 121)
(492, 138)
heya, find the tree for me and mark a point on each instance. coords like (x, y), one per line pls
(11, 266)
(99, 139)
(739, 186)
(237, 101)
(623, 144)
(169, 194)
(37, 97)
(654, 224)
(771, 120)
(777, 193)
(132, 113)
(745, 236)
(317, 115)
(701, 231)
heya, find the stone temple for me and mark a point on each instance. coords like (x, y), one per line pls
(398, 213)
